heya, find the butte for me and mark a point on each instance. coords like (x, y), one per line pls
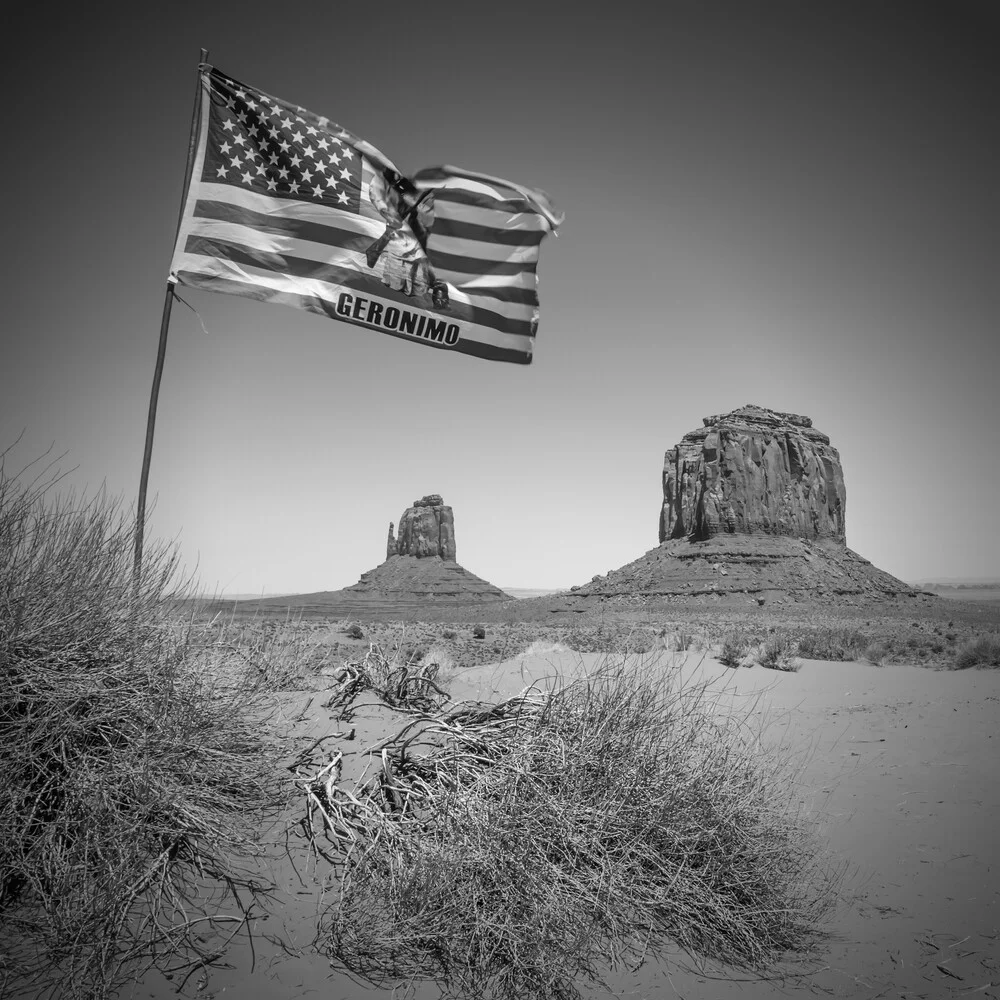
(419, 579)
(753, 513)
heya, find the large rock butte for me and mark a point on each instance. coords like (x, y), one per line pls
(753, 471)
(753, 513)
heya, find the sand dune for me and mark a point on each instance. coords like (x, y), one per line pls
(897, 767)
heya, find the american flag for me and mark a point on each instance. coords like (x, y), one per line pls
(286, 206)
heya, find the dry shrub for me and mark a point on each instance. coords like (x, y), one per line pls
(132, 784)
(544, 647)
(833, 644)
(265, 655)
(682, 641)
(521, 849)
(776, 653)
(877, 652)
(735, 646)
(438, 658)
(601, 637)
(981, 652)
(638, 640)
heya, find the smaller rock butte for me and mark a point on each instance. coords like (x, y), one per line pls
(419, 578)
(425, 529)
(420, 570)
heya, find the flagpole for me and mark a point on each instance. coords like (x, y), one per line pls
(161, 351)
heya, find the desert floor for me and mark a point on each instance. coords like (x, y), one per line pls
(896, 766)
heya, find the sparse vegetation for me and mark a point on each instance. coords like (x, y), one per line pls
(639, 640)
(981, 652)
(438, 657)
(833, 644)
(265, 656)
(735, 646)
(136, 775)
(877, 652)
(411, 652)
(776, 653)
(600, 636)
(682, 641)
(515, 849)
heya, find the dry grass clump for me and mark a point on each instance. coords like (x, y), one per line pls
(981, 652)
(130, 784)
(735, 646)
(596, 638)
(842, 645)
(544, 647)
(439, 659)
(681, 641)
(254, 653)
(877, 653)
(639, 640)
(777, 652)
(521, 849)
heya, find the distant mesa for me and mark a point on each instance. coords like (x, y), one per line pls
(754, 510)
(420, 564)
(419, 578)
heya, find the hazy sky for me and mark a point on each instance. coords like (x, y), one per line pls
(790, 204)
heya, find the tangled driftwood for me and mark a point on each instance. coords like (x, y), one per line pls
(431, 755)
(408, 685)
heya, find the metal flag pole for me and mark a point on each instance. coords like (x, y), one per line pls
(140, 517)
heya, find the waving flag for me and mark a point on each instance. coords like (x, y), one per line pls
(286, 206)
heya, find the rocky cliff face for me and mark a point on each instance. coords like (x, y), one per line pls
(753, 471)
(425, 529)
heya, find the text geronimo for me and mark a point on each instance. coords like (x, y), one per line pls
(399, 320)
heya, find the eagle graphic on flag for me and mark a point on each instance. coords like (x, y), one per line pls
(402, 248)
(286, 206)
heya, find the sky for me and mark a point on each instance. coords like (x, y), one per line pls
(793, 205)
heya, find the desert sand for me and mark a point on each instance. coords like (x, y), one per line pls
(896, 768)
